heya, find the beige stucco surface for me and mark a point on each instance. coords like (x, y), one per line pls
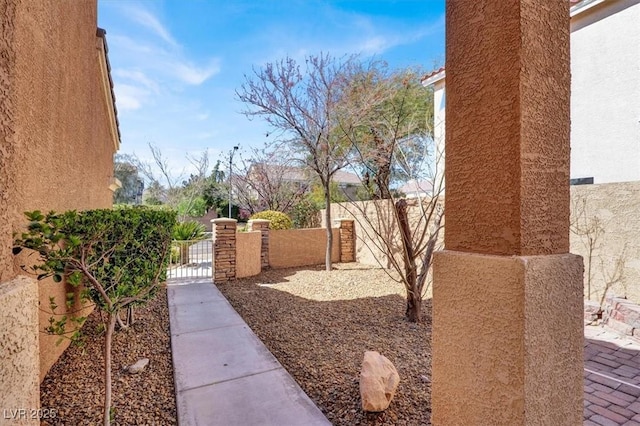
(56, 146)
(19, 366)
(616, 206)
(248, 246)
(503, 328)
(508, 127)
(301, 247)
(375, 223)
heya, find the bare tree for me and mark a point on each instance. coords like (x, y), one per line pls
(301, 102)
(590, 229)
(392, 137)
(270, 180)
(173, 189)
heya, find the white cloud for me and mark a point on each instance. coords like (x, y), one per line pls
(128, 97)
(373, 45)
(137, 76)
(193, 74)
(146, 19)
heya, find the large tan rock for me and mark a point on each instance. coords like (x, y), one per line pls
(379, 380)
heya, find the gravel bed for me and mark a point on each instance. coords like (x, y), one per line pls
(74, 385)
(318, 325)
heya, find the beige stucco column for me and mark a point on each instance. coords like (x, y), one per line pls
(19, 351)
(507, 308)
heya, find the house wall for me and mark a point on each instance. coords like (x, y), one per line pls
(605, 106)
(56, 143)
(605, 88)
(248, 248)
(301, 247)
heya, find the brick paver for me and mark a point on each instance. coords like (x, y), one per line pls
(611, 379)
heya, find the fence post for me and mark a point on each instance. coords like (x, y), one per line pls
(262, 225)
(224, 249)
(347, 240)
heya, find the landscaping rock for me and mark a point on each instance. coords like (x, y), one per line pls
(379, 380)
(138, 366)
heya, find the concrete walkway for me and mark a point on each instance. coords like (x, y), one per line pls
(224, 375)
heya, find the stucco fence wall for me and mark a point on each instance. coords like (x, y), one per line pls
(368, 215)
(245, 254)
(301, 247)
(248, 254)
(614, 206)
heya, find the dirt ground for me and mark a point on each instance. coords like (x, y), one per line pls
(74, 385)
(318, 324)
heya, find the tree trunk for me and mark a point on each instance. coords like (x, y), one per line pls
(414, 295)
(414, 307)
(184, 253)
(108, 337)
(327, 215)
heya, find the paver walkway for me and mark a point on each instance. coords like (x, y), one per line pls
(224, 375)
(611, 379)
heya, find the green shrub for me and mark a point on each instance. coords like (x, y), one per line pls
(119, 256)
(278, 220)
(305, 214)
(188, 231)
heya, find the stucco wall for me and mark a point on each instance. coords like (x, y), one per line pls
(548, 289)
(605, 88)
(19, 364)
(56, 147)
(301, 247)
(7, 137)
(616, 207)
(370, 250)
(248, 246)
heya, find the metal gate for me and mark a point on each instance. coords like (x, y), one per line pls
(192, 259)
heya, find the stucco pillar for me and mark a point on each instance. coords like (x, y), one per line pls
(224, 249)
(347, 240)
(262, 225)
(19, 349)
(507, 308)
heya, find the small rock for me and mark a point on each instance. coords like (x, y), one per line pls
(425, 379)
(379, 380)
(138, 366)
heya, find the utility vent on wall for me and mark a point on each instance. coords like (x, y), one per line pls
(581, 181)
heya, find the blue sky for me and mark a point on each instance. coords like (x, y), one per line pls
(177, 63)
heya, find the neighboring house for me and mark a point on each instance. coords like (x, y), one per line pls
(417, 188)
(605, 91)
(58, 135)
(298, 179)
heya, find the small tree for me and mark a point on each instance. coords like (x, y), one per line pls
(387, 117)
(301, 103)
(590, 229)
(119, 256)
(188, 196)
(269, 180)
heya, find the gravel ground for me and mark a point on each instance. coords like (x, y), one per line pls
(74, 385)
(319, 324)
